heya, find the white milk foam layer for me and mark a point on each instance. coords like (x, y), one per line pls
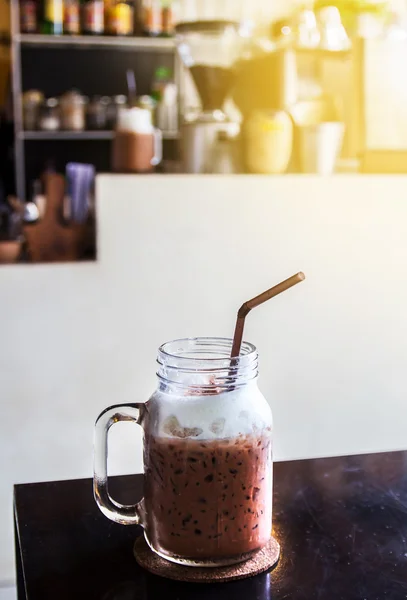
(243, 411)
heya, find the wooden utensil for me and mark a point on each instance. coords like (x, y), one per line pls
(50, 240)
(9, 251)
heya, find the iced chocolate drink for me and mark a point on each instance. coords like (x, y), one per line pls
(207, 456)
(132, 152)
(211, 499)
(137, 145)
(207, 451)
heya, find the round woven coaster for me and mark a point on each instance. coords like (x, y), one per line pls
(260, 562)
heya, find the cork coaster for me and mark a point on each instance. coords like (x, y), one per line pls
(260, 562)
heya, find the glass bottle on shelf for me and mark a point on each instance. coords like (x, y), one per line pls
(93, 17)
(72, 22)
(28, 16)
(53, 17)
(162, 76)
(120, 18)
(152, 18)
(138, 17)
(167, 19)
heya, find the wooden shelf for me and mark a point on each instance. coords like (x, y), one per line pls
(80, 135)
(66, 135)
(143, 44)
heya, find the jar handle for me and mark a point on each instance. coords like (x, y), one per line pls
(158, 148)
(130, 514)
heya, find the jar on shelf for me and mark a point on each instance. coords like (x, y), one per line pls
(116, 104)
(93, 17)
(73, 111)
(120, 18)
(97, 113)
(49, 115)
(32, 101)
(72, 21)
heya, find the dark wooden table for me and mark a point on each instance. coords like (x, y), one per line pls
(341, 522)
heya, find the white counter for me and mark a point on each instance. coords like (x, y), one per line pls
(177, 256)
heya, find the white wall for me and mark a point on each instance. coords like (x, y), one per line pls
(177, 257)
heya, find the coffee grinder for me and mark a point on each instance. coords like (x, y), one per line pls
(209, 49)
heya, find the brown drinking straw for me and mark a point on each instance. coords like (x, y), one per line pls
(247, 307)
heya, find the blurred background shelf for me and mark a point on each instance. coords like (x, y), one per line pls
(97, 66)
(98, 41)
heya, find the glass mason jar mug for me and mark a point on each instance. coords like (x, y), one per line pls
(207, 456)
